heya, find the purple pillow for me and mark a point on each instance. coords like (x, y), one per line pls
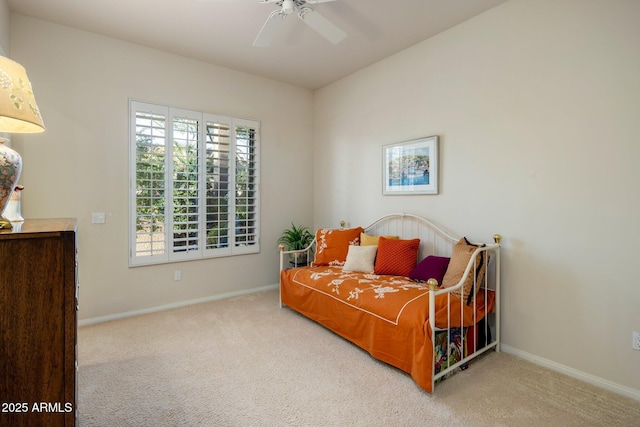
(432, 267)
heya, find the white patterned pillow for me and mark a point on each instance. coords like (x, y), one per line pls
(360, 259)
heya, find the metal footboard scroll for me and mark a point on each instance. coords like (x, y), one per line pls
(489, 283)
(308, 251)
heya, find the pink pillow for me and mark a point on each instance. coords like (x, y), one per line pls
(432, 267)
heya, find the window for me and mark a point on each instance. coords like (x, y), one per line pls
(194, 185)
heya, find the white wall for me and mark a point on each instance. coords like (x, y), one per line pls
(82, 83)
(537, 104)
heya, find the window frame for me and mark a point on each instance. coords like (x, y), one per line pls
(169, 254)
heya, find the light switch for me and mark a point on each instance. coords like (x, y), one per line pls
(98, 218)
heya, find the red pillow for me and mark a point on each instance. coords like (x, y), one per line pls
(333, 245)
(396, 257)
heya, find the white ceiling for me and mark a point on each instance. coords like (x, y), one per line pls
(221, 32)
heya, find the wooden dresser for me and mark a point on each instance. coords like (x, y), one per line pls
(38, 323)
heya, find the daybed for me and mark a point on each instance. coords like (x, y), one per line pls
(426, 318)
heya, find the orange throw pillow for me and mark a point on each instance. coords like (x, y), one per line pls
(332, 245)
(396, 257)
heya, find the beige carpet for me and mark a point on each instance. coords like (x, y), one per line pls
(245, 362)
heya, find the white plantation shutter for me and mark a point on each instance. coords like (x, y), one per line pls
(218, 161)
(194, 185)
(185, 180)
(149, 129)
(246, 202)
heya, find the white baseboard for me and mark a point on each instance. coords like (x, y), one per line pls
(116, 316)
(574, 373)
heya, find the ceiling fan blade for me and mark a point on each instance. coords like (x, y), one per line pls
(322, 25)
(269, 29)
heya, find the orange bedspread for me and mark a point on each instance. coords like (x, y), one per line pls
(385, 315)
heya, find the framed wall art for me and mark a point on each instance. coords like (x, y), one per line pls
(410, 167)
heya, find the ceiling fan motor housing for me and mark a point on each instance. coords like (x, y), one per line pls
(309, 16)
(288, 6)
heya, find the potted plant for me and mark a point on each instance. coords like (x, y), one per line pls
(296, 238)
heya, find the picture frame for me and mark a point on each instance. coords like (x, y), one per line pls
(410, 167)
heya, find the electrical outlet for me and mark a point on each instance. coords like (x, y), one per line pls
(98, 218)
(177, 275)
(636, 341)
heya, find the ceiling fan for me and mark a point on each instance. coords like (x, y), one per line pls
(309, 16)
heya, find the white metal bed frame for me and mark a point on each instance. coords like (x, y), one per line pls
(435, 240)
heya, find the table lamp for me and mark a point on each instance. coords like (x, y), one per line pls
(18, 114)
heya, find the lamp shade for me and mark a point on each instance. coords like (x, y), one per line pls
(19, 112)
